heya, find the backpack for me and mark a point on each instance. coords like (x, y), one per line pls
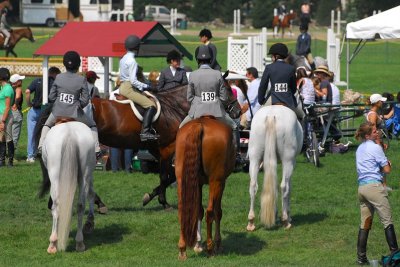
(392, 260)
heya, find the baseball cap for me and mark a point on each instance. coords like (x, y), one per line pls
(91, 74)
(16, 77)
(376, 98)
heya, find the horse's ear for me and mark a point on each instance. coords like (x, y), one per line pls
(225, 74)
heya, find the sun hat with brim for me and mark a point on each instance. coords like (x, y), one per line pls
(323, 69)
(375, 98)
(235, 76)
(16, 77)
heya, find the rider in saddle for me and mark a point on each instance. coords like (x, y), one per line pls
(281, 11)
(5, 27)
(173, 75)
(207, 95)
(282, 77)
(69, 95)
(133, 89)
(303, 45)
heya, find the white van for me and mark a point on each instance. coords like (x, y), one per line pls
(58, 12)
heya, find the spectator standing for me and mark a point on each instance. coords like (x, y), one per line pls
(173, 75)
(205, 37)
(6, 119)
(16, 83)
(252, 94)
(372, 164)
(35, 105)
(303, 45)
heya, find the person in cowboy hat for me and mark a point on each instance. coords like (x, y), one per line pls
(282, 77)
(324, 95)
(69, 95)
(207, 80)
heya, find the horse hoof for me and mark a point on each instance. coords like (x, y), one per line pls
(146, 199)
(52, 249)
(88, 227)
(182, 256)
(103, 210)
(287, 225)
(80, 247)
(198, 248)
(251, 227)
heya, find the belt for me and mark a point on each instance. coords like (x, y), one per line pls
(280, 103)
(369, 182)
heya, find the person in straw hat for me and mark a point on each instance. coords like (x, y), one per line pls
(325, 93)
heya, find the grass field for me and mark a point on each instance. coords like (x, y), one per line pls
(323, 203)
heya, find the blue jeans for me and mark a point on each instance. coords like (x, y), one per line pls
(33, 117)
(116, 160)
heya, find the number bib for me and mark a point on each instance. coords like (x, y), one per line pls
(208, 97)
(281, 87)
(67, 98)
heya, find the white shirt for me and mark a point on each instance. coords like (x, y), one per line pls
(335, 95)
(240, 96)
(173, 70)
(307, 91)
(128, 69)
(252, 94)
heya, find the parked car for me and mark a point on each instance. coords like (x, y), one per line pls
(161, 14)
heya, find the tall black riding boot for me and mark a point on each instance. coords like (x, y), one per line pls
(11, 149)
(239, 161)
(146, 133)
(391, 238)
(362, 247)
(2, 154)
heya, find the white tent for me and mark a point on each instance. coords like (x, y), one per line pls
(384, 25)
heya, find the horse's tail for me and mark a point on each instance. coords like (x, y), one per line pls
(69, 169)
(190, 189)
(269, 192)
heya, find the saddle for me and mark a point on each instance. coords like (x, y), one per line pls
(61, 120)
(124, 100)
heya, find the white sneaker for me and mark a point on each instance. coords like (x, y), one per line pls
(30, 160)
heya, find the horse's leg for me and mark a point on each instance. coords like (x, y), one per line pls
(89, 224)
(255, 162)
(210, 214)
(287, 170)
(218, 215)
(83, 192)
(54, 211)
(198, 247)
(100, 205)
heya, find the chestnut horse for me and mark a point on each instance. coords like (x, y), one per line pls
(285, 23)
(16, 36)
(118, 127)
(205, 154)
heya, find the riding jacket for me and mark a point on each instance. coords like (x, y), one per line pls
(283, 84)
(303, 44)
(70, 95)
(169, 80)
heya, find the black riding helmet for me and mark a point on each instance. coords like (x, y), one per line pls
(4, 74)
(206, 33)
(279, 49)
(203, 53)
(132, 42)
(72, 60)
(173, 55)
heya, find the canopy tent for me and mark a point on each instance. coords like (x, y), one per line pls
(106, 40)
(380, 26)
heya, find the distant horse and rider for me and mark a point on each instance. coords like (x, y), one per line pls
(281, 24)
(16, 36)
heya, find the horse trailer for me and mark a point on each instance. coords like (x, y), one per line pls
(58, 12)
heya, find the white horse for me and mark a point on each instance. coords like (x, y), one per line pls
(275, 133)
(69, 158)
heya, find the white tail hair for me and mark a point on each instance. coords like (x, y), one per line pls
(270, 192)
(67, 186)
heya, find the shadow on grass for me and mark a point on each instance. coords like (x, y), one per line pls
(136, 209)
(241, 244)
(309, 218)
(107, 235)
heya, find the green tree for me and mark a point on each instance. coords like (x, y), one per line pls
(263, 13)
(366, 8)
(202, 10)
(323, 12)
(226, 9)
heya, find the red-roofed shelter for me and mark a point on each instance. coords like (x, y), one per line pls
(106, 40)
